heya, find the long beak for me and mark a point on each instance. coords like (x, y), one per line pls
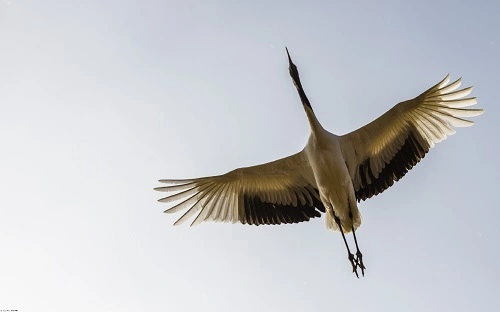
(289, 58)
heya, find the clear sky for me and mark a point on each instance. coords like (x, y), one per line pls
(100, 99)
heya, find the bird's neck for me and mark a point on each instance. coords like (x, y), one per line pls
(302, 94)
(314, 123)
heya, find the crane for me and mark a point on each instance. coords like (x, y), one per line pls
(333, 172)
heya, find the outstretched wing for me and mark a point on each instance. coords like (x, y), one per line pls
(282, 191)
(384, 150)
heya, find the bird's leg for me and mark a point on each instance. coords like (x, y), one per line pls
(350, 256)
(359, 255)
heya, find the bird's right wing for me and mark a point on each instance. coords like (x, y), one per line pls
(282, 191)
(382, 151)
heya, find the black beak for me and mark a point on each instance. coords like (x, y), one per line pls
(290, 63)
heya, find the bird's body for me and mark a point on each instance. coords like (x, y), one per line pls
(332, 173)
(332, 179)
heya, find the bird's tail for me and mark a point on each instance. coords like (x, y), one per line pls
(346, 222)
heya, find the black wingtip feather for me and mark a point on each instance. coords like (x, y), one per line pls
(258, 212)
(408, 156)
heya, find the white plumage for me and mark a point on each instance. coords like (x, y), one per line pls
(332, 173)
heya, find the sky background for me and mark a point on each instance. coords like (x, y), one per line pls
(100, 99)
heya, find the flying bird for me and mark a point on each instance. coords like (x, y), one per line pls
(333, 172)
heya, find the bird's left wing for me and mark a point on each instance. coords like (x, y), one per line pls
(282, 191)
(383, 151)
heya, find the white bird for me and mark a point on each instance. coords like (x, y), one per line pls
(332, 173)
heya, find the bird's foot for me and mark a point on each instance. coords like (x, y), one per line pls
(355, 264)
(359, 262)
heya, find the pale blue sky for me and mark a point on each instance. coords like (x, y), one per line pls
(99, 99)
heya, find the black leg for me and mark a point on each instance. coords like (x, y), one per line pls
(359, 255)
(350, 256)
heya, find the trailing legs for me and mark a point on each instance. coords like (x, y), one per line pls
(350, 256)
(359, 255)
